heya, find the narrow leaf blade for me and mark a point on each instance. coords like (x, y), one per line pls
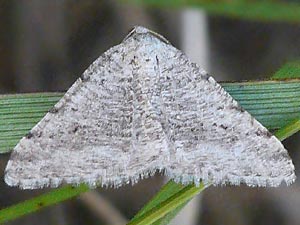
(269, 11)
(167, 200)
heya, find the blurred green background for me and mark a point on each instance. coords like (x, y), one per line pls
(46, 45)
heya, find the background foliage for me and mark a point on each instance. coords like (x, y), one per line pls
(274, 103)
(268, 101)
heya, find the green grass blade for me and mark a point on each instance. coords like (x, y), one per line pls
(167, 191)
(265, 100)
(164, 207)
(273, 103)
(40, 202)
(154, 213)
(288, 130)
(173, 196)
(167, 218)
(288, 71)
(235, 90)
(258, 10)
(19, 113)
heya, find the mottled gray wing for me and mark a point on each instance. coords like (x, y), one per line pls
(214, 140)
(144, 106)
(102, 132)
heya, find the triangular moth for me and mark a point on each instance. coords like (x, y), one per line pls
(143, 106)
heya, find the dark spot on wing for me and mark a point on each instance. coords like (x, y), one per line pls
(75, 129)
(154, 157)
(269, 134)
(53, 110)
(265, 133)
(238, 108)
(39, 134)
(205, 76)
(133, 61)
(85, 77)
(258, 132)
(223, 126)
(29, 135)
(233, 139)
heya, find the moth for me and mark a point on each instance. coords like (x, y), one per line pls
(143, 107)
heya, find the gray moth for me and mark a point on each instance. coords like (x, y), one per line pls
(143, 107)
